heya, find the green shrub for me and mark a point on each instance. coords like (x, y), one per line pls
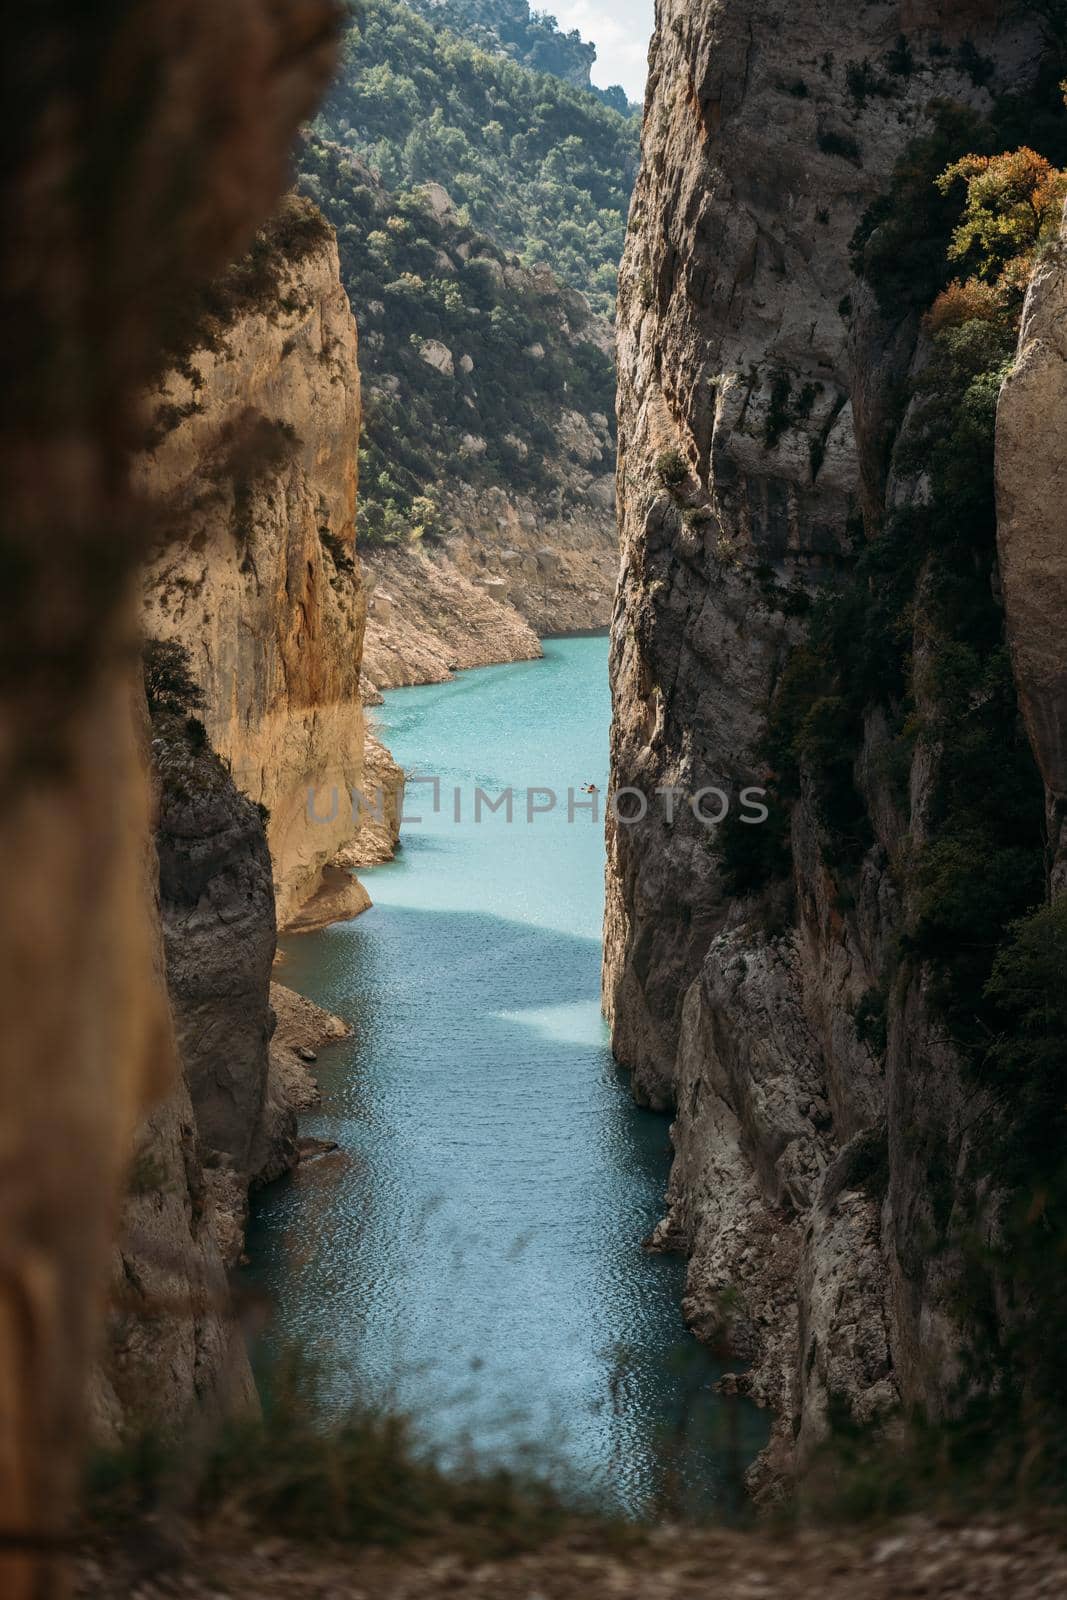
(863, 82)
(672, 469)
(170, 687)
(778, 416)
(899, 60)
(753, 855)
(545, 167)
(304, 1472)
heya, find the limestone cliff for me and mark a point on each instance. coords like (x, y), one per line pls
(253, 611)
(759, 412)
(1031, 429)
(254, 457)
(202, 102)
(175, 1350)
(427, 618)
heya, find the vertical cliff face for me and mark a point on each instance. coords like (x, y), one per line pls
(1032, 428)
(175, 1350)
(747, 347)
(254, 460)
(202, 103)
(758, 387)
(254, 613)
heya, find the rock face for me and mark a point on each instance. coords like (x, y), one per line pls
(94, 252)
(438, 619)
(1032, 427)
(175, 1348)
(559, 563)
(756, 378)
(255, 463)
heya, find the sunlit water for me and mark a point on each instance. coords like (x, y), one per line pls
(477, 1255)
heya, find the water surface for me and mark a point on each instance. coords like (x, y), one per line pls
(478, 1254)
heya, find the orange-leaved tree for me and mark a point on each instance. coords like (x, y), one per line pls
(1013, 206)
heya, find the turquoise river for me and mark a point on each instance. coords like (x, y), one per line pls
(474, 1254)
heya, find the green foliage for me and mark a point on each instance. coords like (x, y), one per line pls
(672, 469)
(864, 83)
(544, 166)
(899, 60)
(170, 688)
(753, 855)
(927, 575)
(869, 1164)
(539, 170)
(786, 410)
(531, 39)
(1027, 990)
(903, 241)
(901, 244)
(778, 414)
(871, 1021)
(415, 277)
(307, 1474)
(979, 68)
(1014, 203)
(256, 448)
(918, 630)
(251, 284)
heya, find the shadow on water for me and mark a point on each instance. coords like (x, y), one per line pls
(475, 1252)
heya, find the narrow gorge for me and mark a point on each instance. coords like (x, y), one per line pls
(439, 1156)
(818, 596)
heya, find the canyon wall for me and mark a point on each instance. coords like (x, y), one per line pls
(175, 1353)
(1032, 427)
(202, 103)
(174, 1349)
(254, 460)
(253, 614)
(759, 412)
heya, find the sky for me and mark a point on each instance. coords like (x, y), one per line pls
(620, 29)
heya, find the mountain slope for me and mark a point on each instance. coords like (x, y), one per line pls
(544, 167)
(529, 38)
(489, 398)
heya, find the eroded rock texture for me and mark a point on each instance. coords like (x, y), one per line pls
(756, 388)
(255, 462)
(143, 145)
(1032, 532)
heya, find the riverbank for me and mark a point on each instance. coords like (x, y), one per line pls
(428, 620)
(435, 612)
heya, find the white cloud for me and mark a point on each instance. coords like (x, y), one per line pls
(620, 31)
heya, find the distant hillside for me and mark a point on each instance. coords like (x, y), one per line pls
(478, 371)
(542, 166)
(530, 38)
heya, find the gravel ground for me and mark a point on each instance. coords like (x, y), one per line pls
(986, 1561)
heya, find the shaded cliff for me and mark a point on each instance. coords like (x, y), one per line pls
(202, 104)
(253, 458)
(254, 611)
(1032, 427)
(175, 1352)
(809, 602)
